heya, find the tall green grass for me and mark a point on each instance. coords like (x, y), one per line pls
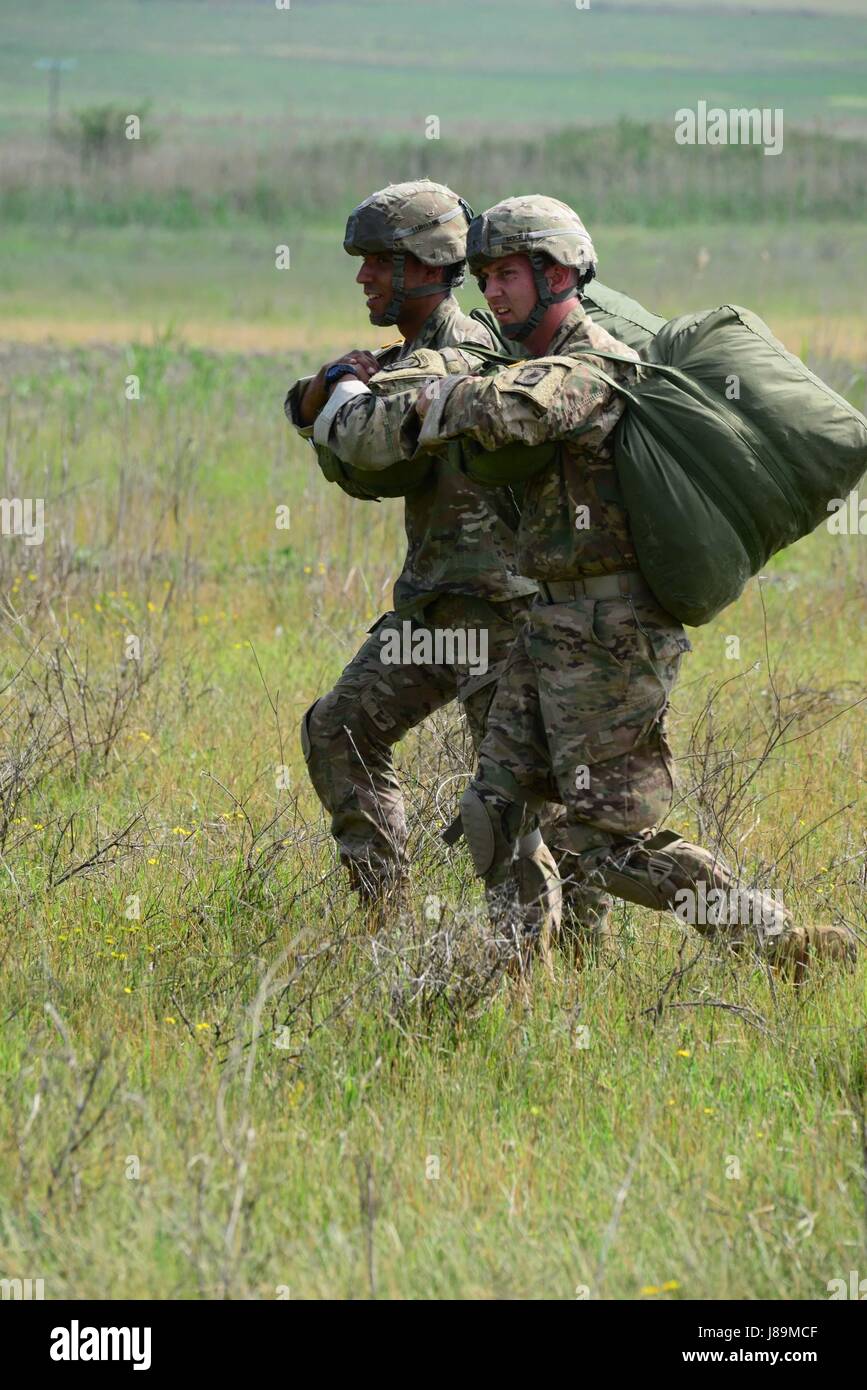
(235, 1091)
(627, 172)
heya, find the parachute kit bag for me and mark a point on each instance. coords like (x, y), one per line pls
(730, 449)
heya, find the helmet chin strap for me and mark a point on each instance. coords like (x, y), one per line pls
(545, 298)
(399, 292)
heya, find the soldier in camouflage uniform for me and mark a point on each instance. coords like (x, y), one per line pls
(579, 714)
(459, 573)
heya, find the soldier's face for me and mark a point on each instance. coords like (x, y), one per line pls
(375, 279)
(510, 288)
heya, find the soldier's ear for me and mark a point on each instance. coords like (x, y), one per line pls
(559, 277)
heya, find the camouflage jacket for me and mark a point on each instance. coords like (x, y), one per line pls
(460, 534)
(573, 520)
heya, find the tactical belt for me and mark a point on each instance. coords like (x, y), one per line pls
(595, 586)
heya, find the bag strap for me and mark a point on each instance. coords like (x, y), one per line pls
(490, 355)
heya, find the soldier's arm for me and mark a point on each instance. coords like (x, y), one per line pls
(364, 429)
(292, 406)
(531, 403)
(308, 396)
(330, 467)
(374, 428)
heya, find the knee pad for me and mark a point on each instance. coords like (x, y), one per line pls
(490, 829)
(480, 832)
(305, 731)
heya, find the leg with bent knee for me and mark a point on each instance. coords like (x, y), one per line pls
(347, 737)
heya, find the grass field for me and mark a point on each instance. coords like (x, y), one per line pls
(219, 288)
(384, 66)
(221, 1096)
(213, 1081)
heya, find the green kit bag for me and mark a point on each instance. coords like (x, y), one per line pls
(730, 449)
(624, 318)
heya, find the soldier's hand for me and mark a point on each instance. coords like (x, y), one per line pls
(316, 394)
(365, 364)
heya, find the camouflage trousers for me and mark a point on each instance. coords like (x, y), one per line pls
(579, 718)
(348, 735)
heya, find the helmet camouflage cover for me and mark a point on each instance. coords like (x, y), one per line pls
(533, 226)
(425, 218)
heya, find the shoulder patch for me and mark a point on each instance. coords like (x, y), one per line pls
(530, 376)
(410, 360)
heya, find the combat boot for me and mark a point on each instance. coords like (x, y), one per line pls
(587, 936)
(798, 948)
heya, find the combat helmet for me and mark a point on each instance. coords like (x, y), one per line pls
(423, 217)
(530, 226)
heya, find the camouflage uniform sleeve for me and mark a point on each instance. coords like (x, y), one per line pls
(369, 431)
(377, 427)
(328, 466)
(531, 403)
(292, 406)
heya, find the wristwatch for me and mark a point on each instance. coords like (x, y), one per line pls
(337, 370)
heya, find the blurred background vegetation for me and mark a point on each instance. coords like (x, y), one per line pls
(261, 126)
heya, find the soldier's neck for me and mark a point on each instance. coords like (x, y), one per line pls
(538, 342)
(415, 314)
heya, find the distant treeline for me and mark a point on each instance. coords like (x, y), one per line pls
(627, 172)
